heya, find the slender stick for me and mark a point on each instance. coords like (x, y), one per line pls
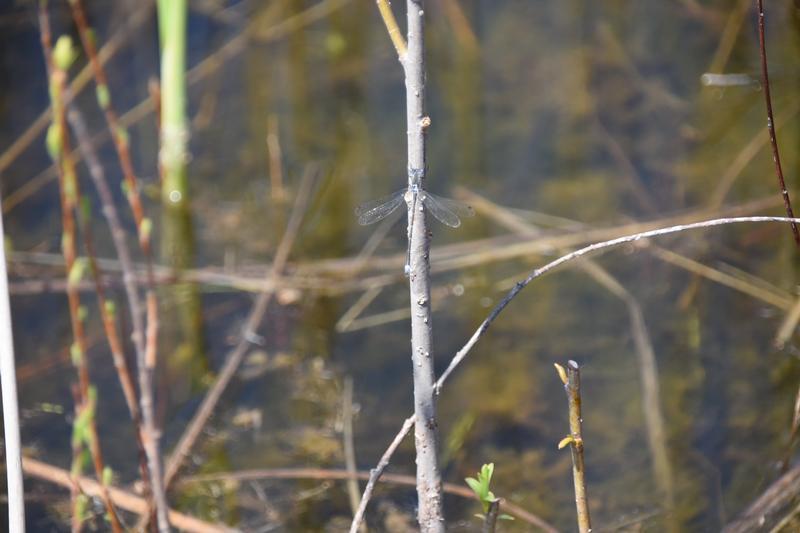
(249, 337)
(8, 382)
(69, 196)
(773, 140)
(129, 280)
(572, 385)
(123, 499)
(490, 520)
(349, 447)
(377, 472)
(145, 347)
(461, 354)
(429, 482)
(391, 26)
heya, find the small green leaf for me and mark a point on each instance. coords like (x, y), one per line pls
(76, 354)
(487, 471)
(565, 441)
(64, 53)
(81, 504)
(561, 373)
(474, 485)
(92, 397)
(145, 229)
(108, 475)
(83, 313)
(111, 308)
(76, 272)
(103, 96)
(53, 141)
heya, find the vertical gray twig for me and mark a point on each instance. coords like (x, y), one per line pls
(429, 483)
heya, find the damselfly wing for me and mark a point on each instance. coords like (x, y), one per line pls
(448, 212)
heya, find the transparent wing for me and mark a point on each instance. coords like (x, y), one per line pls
(445, 210)
(371, 212)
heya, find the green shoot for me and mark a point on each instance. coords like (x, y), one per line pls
(480, 487)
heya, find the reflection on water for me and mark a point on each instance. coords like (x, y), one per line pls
(561, 117)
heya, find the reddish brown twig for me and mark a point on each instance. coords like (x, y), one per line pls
(123, 499)
(118, 237)
(145, 347)
(773, 140)
(69, 195)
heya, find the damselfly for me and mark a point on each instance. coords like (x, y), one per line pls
(445, 210)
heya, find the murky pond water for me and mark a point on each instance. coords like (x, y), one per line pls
(551, 119)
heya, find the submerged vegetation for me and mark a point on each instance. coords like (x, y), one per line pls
(206, 337)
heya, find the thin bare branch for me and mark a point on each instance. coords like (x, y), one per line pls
(773, 140)
(118, 237)
(69, 199)
(377, 472)
(391, 26)
(349, 448)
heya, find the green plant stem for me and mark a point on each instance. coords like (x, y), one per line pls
(174, 131)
